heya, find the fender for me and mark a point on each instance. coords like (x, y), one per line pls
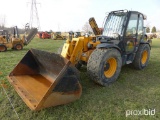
(144, 42)
(107, 45)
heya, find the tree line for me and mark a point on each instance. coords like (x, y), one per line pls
(152, 31)
(11, 29)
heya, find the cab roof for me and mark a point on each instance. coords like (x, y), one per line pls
(144, 16)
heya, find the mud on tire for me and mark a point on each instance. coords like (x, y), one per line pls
(104, 66)
(142, 57)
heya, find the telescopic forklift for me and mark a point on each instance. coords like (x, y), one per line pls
(44, 79)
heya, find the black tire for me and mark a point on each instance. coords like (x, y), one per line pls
(3, 48)
(99, 65)
(18, 47)
(142, 57)
(78, 65)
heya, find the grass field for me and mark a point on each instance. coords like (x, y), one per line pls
(133, 90)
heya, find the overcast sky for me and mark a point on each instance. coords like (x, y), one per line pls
(68, 15)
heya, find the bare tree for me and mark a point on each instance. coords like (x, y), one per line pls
(148, 24)
(87, 28)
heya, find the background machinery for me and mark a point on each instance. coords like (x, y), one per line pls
(77, 34)
(44, 35)
(148, 37)
(14, 41)
(45, 79)
(58, 36)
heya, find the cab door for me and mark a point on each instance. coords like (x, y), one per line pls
(130, 37)
(140, 30)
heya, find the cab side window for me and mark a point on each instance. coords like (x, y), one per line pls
(132, 25)
(140, 28)
(130, 35)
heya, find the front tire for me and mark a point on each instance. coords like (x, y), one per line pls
(18, 47)
(3, 48)
(142, 57)
(104, 66)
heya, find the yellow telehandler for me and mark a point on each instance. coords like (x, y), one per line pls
(44, 79)
(14, 41)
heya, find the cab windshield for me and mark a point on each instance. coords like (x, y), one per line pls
(113, 24)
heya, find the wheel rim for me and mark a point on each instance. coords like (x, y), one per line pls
(110, 67)
(144, 57)
(2, 48)
(19, 47)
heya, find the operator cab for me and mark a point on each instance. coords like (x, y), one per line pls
(4, 34)
(124, 29)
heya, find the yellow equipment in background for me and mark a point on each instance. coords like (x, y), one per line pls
(58, 36)
(77, 34)
(14, 41)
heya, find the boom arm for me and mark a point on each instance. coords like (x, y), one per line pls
(94, 26)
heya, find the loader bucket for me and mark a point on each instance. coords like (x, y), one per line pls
(30, 36)
(44, 79)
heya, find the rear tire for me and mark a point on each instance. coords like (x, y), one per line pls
(142, 57)
(104, 66)
(18, 47)
(3, 48)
